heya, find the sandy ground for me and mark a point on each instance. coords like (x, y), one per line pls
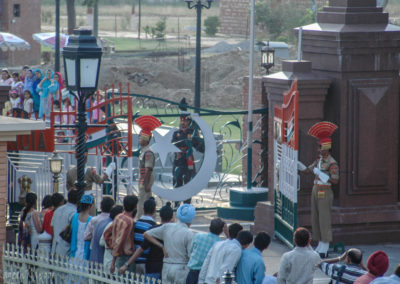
(221, 83)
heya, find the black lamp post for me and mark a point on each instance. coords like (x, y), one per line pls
(82, 57)
(56, 164)
(267, 57)
(198, 5)
(57, 52)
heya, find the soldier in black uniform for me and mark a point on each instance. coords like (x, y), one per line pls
(186, 138)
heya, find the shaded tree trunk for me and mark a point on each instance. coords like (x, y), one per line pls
(71, 15)
(96, 18)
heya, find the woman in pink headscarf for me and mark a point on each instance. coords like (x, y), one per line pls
(58, 77)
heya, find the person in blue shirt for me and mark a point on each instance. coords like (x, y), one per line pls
(35, 92)
(392, 279)
(251, 267)
(200, 247)
(46, 89)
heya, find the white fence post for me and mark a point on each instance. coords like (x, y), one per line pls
(39, 267)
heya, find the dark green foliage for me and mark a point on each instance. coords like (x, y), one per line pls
(159, 30)
(211, 25)
(279, 19)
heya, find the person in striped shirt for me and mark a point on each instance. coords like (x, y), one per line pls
(154, 259)
(344, 273)
(146, 222)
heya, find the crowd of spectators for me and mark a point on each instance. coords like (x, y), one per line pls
(172, 252)
(34, 93)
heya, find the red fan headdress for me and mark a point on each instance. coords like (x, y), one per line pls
(148, 123)
(323, 132)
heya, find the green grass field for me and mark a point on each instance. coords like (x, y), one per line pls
(116, 18)
(125, 44)
(134, 44)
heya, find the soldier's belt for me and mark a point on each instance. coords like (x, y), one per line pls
(323, 186)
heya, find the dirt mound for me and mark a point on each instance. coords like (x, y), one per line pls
(221, 83)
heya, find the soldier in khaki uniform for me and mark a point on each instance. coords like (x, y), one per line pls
(90, 177)
(146, 159)
(326, 172)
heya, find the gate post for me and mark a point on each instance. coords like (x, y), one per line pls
(355, 45)
(312, 91)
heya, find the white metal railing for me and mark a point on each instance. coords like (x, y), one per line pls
(41, 268)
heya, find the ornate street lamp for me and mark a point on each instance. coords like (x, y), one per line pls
(56, 165)
(267, 57)
(82, 57)
(198, 5)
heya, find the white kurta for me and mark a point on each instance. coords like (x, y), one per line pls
(223, 256)
(177, 240)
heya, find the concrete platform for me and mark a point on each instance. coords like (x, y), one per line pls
(242, 203)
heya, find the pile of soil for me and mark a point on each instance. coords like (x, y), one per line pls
(222, 77)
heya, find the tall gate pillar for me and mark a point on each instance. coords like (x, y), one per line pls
(312, 92)
(354, 45)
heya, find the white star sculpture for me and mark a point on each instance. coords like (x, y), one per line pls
(163, 145)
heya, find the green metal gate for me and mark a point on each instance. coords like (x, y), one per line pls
(285, 166)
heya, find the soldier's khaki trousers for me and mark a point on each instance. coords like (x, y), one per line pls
(321, 207)
(143, 196)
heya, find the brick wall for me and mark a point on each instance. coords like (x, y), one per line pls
(234, 15)
(259, 101)
(24, 26)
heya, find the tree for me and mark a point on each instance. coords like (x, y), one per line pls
(211, 25)
(279, 19)
(96, 18)
(95, 5)
(158, 31)
(71, 15)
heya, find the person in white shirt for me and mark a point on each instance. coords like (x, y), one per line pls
(28, 103)
(177, 240)
(225, 255)
(15, 99)
(298, 265)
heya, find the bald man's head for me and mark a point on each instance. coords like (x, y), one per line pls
(354, 256)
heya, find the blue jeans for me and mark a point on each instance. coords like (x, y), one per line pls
(152, 276)
(193, 277)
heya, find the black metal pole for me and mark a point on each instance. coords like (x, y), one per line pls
(198, 58)
(80, 148)
(57, 52)
(198, 5)
(140, 17)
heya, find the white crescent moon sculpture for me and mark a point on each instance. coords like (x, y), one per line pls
(202, 177)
